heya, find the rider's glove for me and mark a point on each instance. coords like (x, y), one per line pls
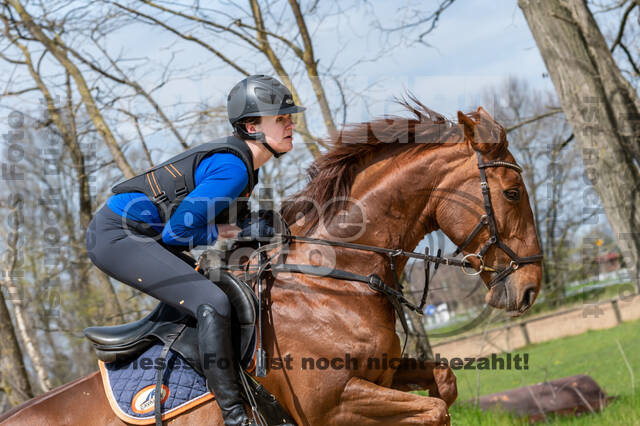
(257, 230)
(260, 227)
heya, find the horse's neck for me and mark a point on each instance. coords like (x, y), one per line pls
(392, 207)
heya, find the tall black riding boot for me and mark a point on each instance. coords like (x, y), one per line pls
(219, 366)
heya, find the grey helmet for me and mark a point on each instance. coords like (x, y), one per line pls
(257, 96)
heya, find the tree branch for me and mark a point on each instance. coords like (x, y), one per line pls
(312, 68)
(623, 23)
(434, 17)
(19, 92)
(136, 121)
(533, 119)
(11, 61)
(185, 37)
(566, 141)
(223, 28)
(630, 58)
(137, 88)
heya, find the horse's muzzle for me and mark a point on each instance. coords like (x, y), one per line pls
(515, 299)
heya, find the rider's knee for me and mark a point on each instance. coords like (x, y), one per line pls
(220, 303)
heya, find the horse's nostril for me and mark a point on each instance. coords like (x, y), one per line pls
(529, 297)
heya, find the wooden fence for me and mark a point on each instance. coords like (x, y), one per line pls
(536, 329)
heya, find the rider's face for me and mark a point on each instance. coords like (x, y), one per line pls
(278, 130)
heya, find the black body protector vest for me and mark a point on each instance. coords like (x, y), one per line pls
(170, 182)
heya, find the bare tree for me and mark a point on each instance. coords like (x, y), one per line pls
(553, 174)
(55, 45)
(602, 108)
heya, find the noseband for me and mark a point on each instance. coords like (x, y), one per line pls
(488, 219)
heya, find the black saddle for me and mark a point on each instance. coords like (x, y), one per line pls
(123, 342)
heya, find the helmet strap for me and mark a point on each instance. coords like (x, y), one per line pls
(258, 136)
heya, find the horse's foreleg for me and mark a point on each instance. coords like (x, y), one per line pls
(365, 403)
(414, 374)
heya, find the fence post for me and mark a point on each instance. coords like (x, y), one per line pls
(616, 310)
(525, 333)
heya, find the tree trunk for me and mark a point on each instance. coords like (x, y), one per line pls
(28, 339)
(420, 338)
(116, 312)
(14, 379)
(601, 107)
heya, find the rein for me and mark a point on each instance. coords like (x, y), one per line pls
(374, 281)
(394, 295)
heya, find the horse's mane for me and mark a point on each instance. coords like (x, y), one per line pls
(331, 176)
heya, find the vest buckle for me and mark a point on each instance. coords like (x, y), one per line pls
(181, 192)
(161, 198)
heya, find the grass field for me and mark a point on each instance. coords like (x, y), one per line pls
(596, 353)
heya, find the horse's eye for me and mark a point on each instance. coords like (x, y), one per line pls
(512, 194)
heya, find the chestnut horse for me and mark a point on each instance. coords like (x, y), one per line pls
(386, 183)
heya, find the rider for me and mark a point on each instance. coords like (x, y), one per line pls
(186, 201)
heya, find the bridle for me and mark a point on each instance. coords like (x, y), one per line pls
(488, 219)
(374, 281)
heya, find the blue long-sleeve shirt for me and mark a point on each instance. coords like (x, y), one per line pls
(219, 179)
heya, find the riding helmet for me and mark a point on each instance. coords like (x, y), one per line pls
(257, 96)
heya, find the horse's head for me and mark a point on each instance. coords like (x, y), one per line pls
(408, 177)
(509, 252)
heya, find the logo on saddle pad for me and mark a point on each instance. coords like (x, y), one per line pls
(143, 401)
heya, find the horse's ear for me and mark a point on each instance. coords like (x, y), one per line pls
(467, 125)
(483, 111)
(490, 136)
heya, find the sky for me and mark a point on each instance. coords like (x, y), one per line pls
(476, 44)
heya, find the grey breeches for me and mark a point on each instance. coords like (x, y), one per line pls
(120, 249)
